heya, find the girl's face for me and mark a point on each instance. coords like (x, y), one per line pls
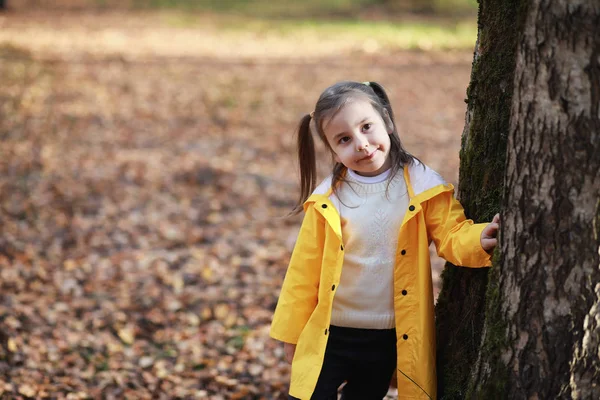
(359, 138)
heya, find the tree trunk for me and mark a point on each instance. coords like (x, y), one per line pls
(480, 190)
(542, 330)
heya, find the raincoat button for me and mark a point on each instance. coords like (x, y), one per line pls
(411, 208)
(404, 293)
(405, 336)
(325, 331)
(342, 247)
(332, 287)
(403, 252)
(324, 205)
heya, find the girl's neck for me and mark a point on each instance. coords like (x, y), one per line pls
(370, 179)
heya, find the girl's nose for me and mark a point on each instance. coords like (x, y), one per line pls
(362, 145)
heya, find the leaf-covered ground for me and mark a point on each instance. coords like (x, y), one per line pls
(146, 173)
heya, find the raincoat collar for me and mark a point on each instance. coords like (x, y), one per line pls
(422, 182)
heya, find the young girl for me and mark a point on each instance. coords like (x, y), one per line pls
(356, 302)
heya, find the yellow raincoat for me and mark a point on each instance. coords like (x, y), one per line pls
(304, 308)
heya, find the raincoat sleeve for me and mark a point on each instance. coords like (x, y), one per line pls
(456, 238)
(298, 297)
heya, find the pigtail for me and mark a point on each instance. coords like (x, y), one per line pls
(385, 101)
(306, 161)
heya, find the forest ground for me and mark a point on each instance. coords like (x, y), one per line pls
(146, 172)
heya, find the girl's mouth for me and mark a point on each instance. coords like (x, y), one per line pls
(368, 157)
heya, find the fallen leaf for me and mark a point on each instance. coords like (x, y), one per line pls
(12, 345)
(27, 390)
(126, 334)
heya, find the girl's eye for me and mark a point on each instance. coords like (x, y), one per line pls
(345, 139)
(366, 127)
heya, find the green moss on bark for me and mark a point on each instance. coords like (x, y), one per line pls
(495, 340)
(480, 190)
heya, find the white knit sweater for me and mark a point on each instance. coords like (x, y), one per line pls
(371, 213)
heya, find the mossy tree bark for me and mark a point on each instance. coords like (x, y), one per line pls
(542, 329)
(460, 306)
(535, 80)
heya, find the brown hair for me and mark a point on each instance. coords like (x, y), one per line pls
(329, 103)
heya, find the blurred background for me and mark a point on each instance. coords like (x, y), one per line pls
(148, 166)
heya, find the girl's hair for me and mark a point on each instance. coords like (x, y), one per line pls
(329, 103)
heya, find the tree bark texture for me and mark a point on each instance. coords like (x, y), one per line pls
(542, 329)
(460, 306)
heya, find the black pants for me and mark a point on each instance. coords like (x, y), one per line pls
(364, 358)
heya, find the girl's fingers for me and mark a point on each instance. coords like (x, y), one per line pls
(490, 231)
(493, 230)
(496, 219)
(492, 242)
(489, 244)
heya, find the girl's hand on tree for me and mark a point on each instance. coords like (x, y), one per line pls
(289, 350)
(489, 234)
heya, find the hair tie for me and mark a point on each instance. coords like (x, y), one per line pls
(312, 114)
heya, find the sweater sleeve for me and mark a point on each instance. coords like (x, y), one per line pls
(457, 239)
(299, 292)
